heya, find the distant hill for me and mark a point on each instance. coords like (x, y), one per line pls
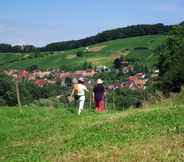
(125, 32)
(182, 23)
(136, 48)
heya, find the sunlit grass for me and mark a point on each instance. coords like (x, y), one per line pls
(154, 133)
(103, 56)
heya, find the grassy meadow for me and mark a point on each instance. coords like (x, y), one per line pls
(153, 133)
(150, 134)
(99, 54)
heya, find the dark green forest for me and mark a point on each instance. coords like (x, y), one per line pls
(125, 32)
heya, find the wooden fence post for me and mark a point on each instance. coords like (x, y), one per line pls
(90, 100)
(113, 103)
(90, 93)
(18, 92)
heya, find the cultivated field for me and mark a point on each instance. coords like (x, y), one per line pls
(140, 48)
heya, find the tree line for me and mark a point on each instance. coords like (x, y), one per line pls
(125, 32)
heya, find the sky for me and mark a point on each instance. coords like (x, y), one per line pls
(40, 22)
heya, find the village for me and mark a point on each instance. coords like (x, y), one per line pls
(42, 77)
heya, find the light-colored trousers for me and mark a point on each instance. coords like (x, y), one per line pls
(81, 101)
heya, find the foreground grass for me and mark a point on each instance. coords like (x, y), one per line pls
(58, 135)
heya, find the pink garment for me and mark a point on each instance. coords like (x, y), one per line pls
(100, 106)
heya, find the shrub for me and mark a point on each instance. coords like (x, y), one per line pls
(111, 77)
(50, 102)
(7, 91)
(36, 54)
(141, 48)
(124, 98)
(28, 91)
(2, 101)
(80, 54)
(33, 67)
(68, 81)
(87, 65)
(118, 62)
(152, 93)
(25, 93)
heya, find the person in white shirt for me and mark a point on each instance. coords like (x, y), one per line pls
(79, 91)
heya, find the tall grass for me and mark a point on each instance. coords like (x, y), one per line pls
(53, 135)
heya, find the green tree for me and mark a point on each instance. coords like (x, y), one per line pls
(87, 65)
(33, 67)
(7, 91)
(171, 61)
(80, 54)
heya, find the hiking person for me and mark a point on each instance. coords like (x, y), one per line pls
(79, 93)
(99, 96)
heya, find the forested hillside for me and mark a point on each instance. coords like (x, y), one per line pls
(125, 32)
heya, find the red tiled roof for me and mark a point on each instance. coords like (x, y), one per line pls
(40, 82)
(23, 73)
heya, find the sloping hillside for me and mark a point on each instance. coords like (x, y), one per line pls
(140, 48)
(58, 135)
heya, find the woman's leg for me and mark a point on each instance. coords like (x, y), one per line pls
(101, 106)
(97, 106)
(81, 104)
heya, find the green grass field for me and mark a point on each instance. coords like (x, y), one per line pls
(150, 134)
(99, 54)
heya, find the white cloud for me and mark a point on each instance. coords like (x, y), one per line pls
(5, 28)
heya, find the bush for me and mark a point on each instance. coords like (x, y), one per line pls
(152, 93)
(118, 62)
(50, 102)
(2, 101)
(68, 81)
(141, 48)
(28, 91)
(87, 65)
(111, 77)
(25, 93)
(33, 67)
(7, 91)
(124, 98)
(80, 54)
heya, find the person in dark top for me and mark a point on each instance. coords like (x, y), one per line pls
(99, 96)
